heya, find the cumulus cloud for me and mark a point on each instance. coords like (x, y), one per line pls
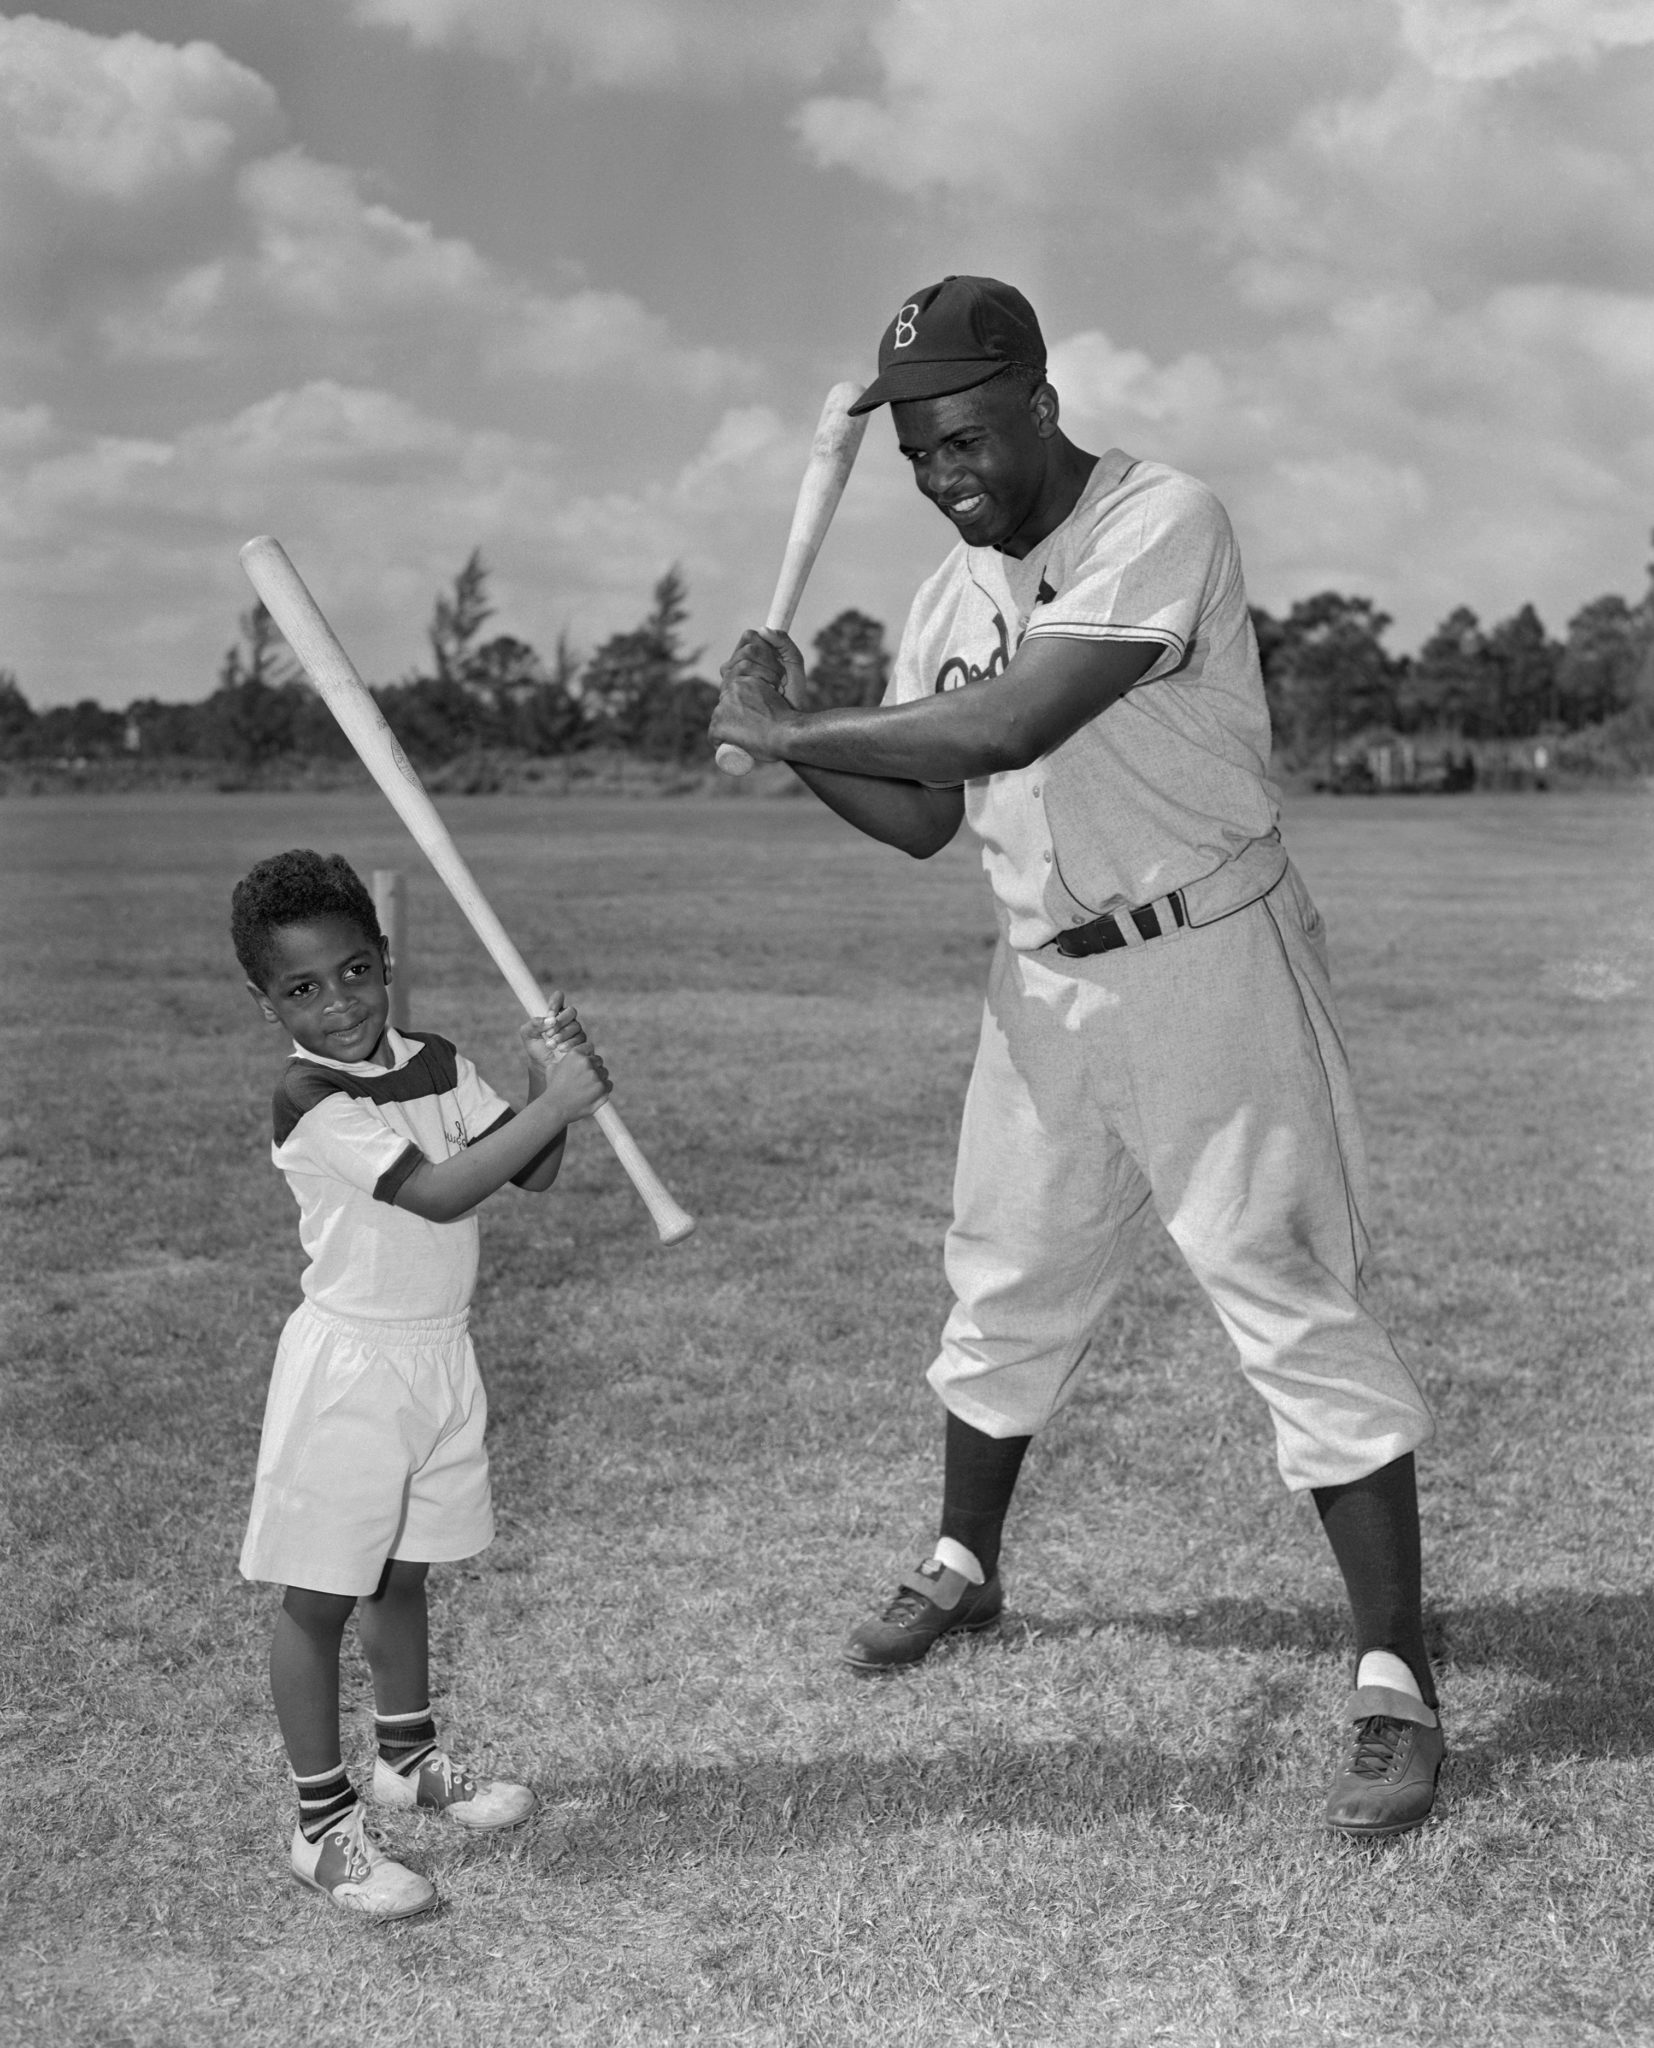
(114, 153)
(1466, 184)
(1375, 270)
(150, 215)
(1471, 39)
(122, 120)
(310, 269)
(713, 44)
(1399, 249)
(590, 333)
(225, 335)
(1424, 456)
(1071, 100)
(1482, 141)
(1529, 420)
(378, 500)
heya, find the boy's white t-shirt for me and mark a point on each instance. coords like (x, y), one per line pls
(347, 1135)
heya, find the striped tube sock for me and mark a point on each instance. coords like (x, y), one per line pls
(405, 1740)
(324, 1800)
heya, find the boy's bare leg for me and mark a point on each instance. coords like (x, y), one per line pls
(394, 1626)
(304, 1677)
(412, 1769)
(331, 1852)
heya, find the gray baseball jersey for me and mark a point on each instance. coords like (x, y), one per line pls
(1169, 783)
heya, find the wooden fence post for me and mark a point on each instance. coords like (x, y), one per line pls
(390, 901)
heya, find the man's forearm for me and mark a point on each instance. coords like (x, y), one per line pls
(941, 741)
(908, 815)
(1053, 686)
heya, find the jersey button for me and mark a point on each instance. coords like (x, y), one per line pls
(1047, 858)
(1035, 790)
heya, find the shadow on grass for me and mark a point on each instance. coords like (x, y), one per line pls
(683, 1811)
(1584, 1656)
(1224, 1622)
(1567, 1672)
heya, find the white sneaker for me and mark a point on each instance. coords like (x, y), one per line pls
(349, 1865)
(481, 1804)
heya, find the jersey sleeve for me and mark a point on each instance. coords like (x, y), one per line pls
(346, 1138)
(1144, 572)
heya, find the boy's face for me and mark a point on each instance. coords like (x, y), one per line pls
(327, 983)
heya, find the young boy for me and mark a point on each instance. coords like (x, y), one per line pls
(372, 1467)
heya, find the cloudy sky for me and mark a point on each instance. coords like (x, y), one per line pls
(568, 279)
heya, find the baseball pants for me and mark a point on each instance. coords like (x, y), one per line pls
(1201, 1078)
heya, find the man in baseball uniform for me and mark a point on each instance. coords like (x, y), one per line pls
(1079, 681)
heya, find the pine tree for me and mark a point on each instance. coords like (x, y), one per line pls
(1447, 682)
(630, 690)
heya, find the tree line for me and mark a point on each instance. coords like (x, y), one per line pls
(1329, 678)
(637, 692)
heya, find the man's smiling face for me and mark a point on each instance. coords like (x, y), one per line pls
(982, 457)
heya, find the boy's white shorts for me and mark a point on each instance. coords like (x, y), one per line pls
(372, 1449)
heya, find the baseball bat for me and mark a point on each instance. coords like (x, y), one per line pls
(832, 454)
(328, 666)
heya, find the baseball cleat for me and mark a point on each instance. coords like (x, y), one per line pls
(931, 1602)
(356, 1874)
(1389, 1784)
(441, 1786)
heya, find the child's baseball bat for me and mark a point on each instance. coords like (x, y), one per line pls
(328, 666)
(832, 455)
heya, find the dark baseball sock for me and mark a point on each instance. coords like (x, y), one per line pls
(979, 1475)
(1373, 1527)
(324, 1801)
(405, 1740)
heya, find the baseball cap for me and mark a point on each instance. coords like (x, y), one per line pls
(951, 336)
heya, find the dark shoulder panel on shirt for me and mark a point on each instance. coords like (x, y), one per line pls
(298, 1091)
(433, 1070)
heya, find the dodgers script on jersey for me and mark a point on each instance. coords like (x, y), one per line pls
(1170, 782)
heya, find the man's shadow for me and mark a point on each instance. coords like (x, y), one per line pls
(670, 1810)
(1582, 1660)
(1579, 1660)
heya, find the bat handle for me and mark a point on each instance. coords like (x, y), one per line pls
(734, 760)
(833, 450)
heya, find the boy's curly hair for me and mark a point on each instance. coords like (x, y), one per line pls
(295, 888)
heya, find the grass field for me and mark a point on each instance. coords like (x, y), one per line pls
(710, 1460)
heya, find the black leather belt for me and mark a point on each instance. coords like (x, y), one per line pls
(1156, 920)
